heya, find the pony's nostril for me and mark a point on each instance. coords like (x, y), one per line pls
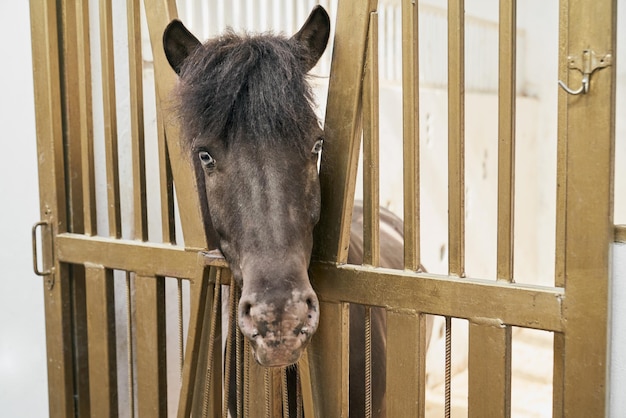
(244, 309)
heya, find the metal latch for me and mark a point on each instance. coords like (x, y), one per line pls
(49, 273)
(586, 63)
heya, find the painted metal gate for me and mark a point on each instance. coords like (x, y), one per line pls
(81, 263)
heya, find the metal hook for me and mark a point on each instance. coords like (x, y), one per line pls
(586, 63)
(584, 89)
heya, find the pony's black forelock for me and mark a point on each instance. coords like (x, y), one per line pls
(246, 87)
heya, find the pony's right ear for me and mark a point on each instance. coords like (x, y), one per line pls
(178, 44)
(313, 35)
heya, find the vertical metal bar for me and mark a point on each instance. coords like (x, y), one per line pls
(86, 120)
(506, 139)
(210, 361)
(166, 182)
(456, 137)
(371, 195)
(181, 320)
(230, 337)
(110, 118)
(158, 14)
(198, 289)
(489, 366)
(130, 346)
(410, 133)
(151, 346)
(135, 64)
(284, 392)
(342, 129)
(304, 372)
(272, 387)
(588, 211)
(52, 195)
(101, 343)
(68, 27)
(331, 361)
(406, 364)
(561, 179)
(207, 387)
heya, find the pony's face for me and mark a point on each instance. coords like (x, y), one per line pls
(255, 141)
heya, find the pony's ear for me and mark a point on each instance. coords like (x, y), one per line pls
(314, 35)
(178, 43)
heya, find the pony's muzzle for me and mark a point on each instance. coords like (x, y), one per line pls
(279, 332)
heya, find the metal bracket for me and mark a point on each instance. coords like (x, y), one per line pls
(49, 274)
(586, 63)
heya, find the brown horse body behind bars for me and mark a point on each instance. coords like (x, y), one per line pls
(245, 107)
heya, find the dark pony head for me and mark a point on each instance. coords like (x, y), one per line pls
(246, 113)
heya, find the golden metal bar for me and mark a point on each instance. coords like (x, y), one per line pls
(406, 363)
(211, 400)
(589, 165)
(110, 118)
(284, 392)
(158, 14)
(71, 118)
(506, 139)
(130, 346)
(273, 399)
(199, 294)
(86, 119)
(304, 372)
(410, 133)
(135, 64)
(57, 298)
(101, 342)
(330, 364)
(489, 369)
(559, 259)
(230, 338)
(256, 401)
(456, 137)
(77, 115)
(489, 392)
(150, 337)
(149, 258)
(521, 305)
(166, 183)
(371, 133)
(342, 129)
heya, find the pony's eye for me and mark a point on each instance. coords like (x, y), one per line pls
(206, 159)
(317, 147)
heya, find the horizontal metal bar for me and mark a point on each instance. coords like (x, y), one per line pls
(527, 306)
(142, 257)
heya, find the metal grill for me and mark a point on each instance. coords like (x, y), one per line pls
(89, 253)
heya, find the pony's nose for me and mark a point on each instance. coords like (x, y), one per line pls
(279, 331)
(298, 316)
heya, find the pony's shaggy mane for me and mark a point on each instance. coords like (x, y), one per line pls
(238, 87)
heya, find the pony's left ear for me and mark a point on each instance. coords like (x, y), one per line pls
(314, 35)
(178, 44)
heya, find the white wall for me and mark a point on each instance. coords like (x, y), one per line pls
(23, 378)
